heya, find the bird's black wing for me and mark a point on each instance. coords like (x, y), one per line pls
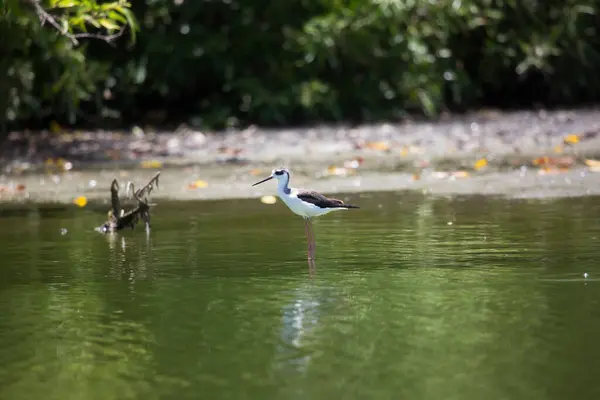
(310, 196)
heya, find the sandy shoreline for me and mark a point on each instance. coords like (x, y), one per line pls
(432, 157)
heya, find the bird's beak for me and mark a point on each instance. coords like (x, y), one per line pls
(264, 180)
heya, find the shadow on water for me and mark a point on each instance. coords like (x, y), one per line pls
(410, 297)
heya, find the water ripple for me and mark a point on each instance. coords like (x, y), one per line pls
(419, 298)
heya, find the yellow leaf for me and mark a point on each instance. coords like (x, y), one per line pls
(151, 164)
(338, 171)
(80, 201)
(480, 163)
(198, 184)
(558, 149)
(404, 151)
(381, 146)
(571, 139)
(268, 199)
(592, 163)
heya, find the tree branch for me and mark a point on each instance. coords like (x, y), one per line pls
(45, 16)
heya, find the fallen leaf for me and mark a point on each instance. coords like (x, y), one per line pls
(151, 164)
(198, 184)
(381, 146)
(571, 139)
(558, 161)
(268, 199)
(256, 172)
(20, 187)
(481, 163)
(404, 151)
(416, 177)
(339, 171)
(558, 149)
(80, 201)
(592, 163)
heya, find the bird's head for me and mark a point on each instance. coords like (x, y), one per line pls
(280, 174)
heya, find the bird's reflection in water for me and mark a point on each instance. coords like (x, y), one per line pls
(299, 317)
(312, 268)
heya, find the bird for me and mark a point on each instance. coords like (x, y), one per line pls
(305, 203)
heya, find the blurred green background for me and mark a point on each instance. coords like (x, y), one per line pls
(230, 63)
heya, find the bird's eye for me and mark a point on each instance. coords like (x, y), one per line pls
(279, 172)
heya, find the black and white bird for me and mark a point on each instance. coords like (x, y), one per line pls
(305, 203)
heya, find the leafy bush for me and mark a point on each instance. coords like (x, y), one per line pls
(45, 68)
(232, 62)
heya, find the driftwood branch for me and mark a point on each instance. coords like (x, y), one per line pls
(45, 16)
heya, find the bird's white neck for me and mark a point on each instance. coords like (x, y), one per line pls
(282, 185)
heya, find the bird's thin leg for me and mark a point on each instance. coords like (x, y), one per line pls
(313, 244)
(307, 235)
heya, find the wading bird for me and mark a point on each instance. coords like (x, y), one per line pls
(305, 203)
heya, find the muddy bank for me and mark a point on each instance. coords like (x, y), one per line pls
(435, 157)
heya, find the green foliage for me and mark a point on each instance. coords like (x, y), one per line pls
(223, 63)
(46, 70)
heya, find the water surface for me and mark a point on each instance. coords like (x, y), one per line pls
(410, 297)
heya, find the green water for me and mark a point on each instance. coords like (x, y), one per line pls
(219, 302)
